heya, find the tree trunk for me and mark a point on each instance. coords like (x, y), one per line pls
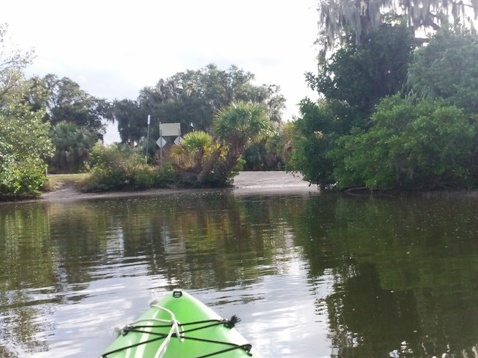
(208, 166)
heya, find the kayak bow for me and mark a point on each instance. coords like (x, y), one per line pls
(180, 326)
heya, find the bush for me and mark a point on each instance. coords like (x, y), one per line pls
(121, 168)
(21, 179)
(423, 145)
(21, 175)
(24, 145)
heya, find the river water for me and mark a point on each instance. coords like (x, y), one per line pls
(309, 274)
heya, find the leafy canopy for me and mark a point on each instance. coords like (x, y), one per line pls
(192, 153)
(350, 84)
(192, 98)
(422, 145)
(447, 68)
(205, 160)
(416, 130)
(73, 145)
(313, 137)
(359, 75)
(24, 140)
(65, 101)
(24, 146)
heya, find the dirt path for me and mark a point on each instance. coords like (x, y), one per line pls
(244, 183)
(276, 180)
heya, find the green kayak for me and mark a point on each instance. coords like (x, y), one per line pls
(180, 326)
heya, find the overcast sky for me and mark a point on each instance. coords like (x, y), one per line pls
(114, 48)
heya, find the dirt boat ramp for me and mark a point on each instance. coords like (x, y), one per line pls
(244, 183)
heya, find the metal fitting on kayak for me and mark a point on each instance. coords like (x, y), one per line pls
(232, 322)
(177, 293)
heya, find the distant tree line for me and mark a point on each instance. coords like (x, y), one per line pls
(192, 98)
(50, 125)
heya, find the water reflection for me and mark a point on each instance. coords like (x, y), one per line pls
(311, 275)
(407, 274)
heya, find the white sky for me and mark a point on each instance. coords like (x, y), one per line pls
(112, 49)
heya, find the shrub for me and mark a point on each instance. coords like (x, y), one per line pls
(121, 168)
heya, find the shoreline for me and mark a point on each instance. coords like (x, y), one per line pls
(271, 182)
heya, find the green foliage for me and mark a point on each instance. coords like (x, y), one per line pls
(189, 157)
(359, 75)
(192, 98)
(352, 83)
(275, 145)
(131, 119)
(355, 137)
(72, 148)
(163, 176)
(241, 123)
(197, 141)
(65, 101)
(447, 68)
(237, 127)
(12, 63)
(312, 139)
(24, 145)
(422, 145)
(24, 141)
(269, 153)
(201, 160)
(255, 157)
(121, 168)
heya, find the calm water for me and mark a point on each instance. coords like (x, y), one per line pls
(310, 275)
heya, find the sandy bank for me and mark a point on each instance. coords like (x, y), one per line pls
(244, 183)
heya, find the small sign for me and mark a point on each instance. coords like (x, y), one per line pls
(161, 142)
(178, 140)
(170, 129)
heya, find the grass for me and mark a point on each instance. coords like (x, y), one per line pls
(57, 181)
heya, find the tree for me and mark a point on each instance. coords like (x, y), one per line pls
(207, 163)
(447, 68)
(235, 127)
(12, 63)
(24, 141)
(73, 145)
(24, 146)
(189, 157)
(65, 101)
(131, 119)
(362, 16)
(411, 145)
(313, 137)
(192, 98)
(359, 75)
(77, 119)
(350, 84)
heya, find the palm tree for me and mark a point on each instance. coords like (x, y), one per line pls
(235, 127)
(194, 150)
(72, 147)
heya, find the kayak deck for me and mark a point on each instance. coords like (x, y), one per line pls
(179, 325)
